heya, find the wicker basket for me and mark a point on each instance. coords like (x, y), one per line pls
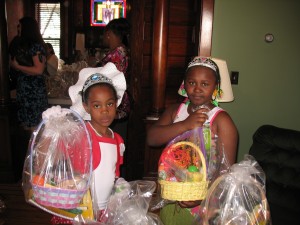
(186, 191)
(57, 197)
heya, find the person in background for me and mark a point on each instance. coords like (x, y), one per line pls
(116, 39)
(30, 62)
(95, 98)
(201, 85)
(52, 60)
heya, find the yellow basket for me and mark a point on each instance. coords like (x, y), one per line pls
(186, 191)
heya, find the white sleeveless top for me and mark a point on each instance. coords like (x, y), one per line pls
(182, 113)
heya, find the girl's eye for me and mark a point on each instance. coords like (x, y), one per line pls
(192, 83)
(97, 106)
(205, 84)
(110, 104)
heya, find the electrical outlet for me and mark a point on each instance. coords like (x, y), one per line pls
(234, 77)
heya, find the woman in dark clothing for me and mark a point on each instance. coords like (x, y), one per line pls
(29, 59)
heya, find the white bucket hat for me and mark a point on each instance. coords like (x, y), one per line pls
(110, 71)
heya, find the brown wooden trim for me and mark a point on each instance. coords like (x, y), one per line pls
(136, 13)
(159, 55)
(4, 84)
(206, 28)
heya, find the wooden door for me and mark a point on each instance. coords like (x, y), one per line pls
(184, 24)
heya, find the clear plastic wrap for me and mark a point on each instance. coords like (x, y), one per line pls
(237, 197)
(58, 165)
(127, 205)
(209, 145)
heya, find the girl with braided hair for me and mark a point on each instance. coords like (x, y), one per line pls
(201, 87)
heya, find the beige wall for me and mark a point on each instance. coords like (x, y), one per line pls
(14, 12)
(268, 91)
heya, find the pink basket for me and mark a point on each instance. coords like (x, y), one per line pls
(57, 197)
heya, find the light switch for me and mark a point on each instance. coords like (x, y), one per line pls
(234, 77)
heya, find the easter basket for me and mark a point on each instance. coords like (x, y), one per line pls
(57, 197)
(237, 197)
(182, 172)
(58, 166)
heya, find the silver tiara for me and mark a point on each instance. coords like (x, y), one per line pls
(94, 79)
(203, 61)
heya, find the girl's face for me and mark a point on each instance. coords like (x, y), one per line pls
(200, 83)
(101, 105)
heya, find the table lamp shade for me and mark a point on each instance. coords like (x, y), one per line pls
(225, 81)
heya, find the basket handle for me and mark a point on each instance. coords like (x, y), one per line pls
(33, 137)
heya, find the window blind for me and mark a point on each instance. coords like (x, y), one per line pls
(48, 17)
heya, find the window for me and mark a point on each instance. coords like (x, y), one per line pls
(48, 17)
(103, 11)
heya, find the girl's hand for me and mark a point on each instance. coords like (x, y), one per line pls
(189, 204)
(196, 119)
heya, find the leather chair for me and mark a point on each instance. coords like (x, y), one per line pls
(277, 150)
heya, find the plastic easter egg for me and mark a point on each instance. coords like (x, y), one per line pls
(193, 168)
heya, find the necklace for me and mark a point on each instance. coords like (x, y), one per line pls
(194, 109)
(108, 132)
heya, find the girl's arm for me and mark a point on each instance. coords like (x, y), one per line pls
(39, 63)
(164, 130)
(227, 133)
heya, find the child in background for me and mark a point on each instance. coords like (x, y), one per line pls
(201, 86)
(95, 97)
(52, 60)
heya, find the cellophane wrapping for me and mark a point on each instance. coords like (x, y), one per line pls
(211, 147)
(58, 165)
(237, 197)
(128, 204)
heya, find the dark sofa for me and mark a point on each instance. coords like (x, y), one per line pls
(277, 150)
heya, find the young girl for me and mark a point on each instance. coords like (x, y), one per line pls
(201, 86)
(52, 60)
(95, 97)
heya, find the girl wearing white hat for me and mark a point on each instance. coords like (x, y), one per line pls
(96, 97)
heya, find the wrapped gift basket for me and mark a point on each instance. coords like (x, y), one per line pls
(237, 197)
(58, 166)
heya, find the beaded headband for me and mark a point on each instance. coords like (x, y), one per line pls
(203, 61)
(95, 79)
